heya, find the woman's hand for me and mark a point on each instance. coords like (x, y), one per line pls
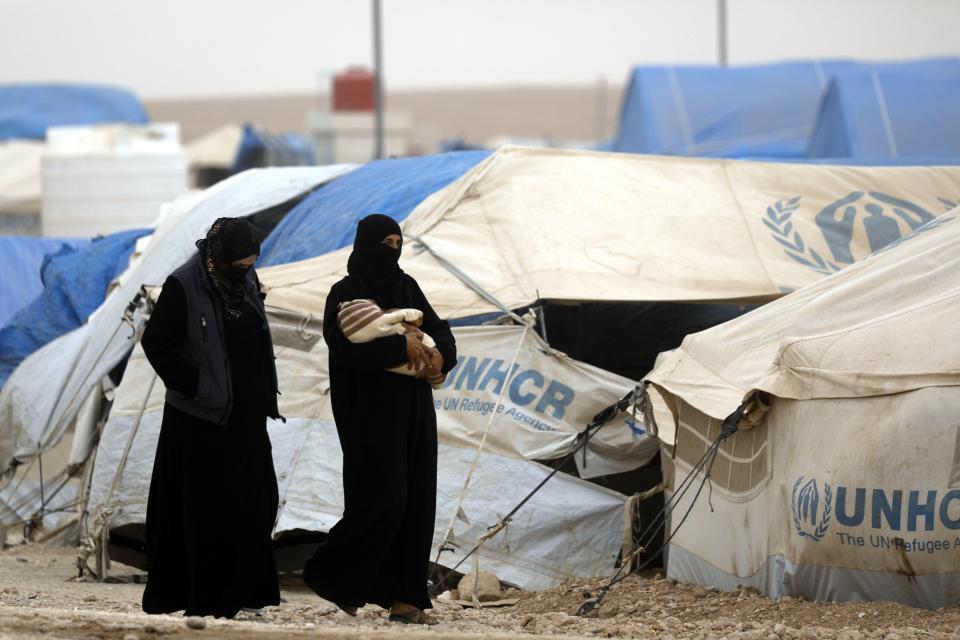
(418, 355)
(436, 366)
(412, 329)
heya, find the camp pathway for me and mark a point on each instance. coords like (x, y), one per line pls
(40, 598)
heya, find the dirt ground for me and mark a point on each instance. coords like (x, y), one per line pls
(40, 598)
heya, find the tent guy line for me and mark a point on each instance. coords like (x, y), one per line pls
(634, 398)
(705, 465)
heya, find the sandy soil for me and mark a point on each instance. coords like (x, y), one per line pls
(41, 598)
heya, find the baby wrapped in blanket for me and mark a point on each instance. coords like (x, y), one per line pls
(363, 320)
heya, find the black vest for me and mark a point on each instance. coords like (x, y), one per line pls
(205, 346)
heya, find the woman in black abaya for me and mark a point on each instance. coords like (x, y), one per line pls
(379, 551)
(213, 493)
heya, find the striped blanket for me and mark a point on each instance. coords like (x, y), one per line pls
(363, 320)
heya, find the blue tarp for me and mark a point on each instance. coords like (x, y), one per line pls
(326, 219)
(763, 111)
(75, 283)
(260, 148)
(887, 114)
(26, 110)
(20, 260)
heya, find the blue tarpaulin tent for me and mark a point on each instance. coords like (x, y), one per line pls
(888, 114)
(763, 111)
(75, 283)
(26, 110)
(21, 258)
(326, 219)
(260, 148)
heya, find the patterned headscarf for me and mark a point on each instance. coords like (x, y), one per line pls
(228, 240)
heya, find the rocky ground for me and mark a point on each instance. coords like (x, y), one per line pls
(40, 598)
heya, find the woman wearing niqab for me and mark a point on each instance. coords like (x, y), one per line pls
(379, 551)
(213, 492)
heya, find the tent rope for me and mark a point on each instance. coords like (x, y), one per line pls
(126, 320)
(705, 465)
(511, 370)
(634, 398)
(43, 499)
(467, 280)
(101, 533)
(62, 478)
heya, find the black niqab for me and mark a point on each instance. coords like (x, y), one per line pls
(229, 240)
(373, 265)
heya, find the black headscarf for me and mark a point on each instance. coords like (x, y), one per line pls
(373, 265)
(228, 240)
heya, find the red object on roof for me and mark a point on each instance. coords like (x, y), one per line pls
(353, 90)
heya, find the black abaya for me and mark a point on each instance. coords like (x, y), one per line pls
(379, 551)
(213, 495)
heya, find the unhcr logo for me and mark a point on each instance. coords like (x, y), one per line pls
(811, 513)
(881, 218)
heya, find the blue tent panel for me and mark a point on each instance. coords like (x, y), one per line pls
(259, 148)
(736, 112)
(27, 110)
(326, 219)
(75, 283)
(888, 114)
(21, 258)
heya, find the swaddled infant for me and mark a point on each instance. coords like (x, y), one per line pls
(364, 321)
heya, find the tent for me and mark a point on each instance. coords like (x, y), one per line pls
(841, 482)
(570, 528)
(27, 110)
(260, 148)
(522, 225)
(43, 395)
(326, 219)
(759, 111)
(888, 114)
(232, 148)
(21, 259)
(537, 224)
(74, 284)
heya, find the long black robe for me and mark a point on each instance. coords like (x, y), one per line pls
(379, 551)
(213, 494)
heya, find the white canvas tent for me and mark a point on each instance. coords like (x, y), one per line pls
(556, 225)
(44, 394)
(570, 528)
(530, 224)
(844, 484)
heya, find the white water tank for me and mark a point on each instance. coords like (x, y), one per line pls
(103, 179)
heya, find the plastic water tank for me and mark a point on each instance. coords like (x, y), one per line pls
(353, 90)
(107, 178)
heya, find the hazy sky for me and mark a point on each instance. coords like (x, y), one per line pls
(181, 48)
